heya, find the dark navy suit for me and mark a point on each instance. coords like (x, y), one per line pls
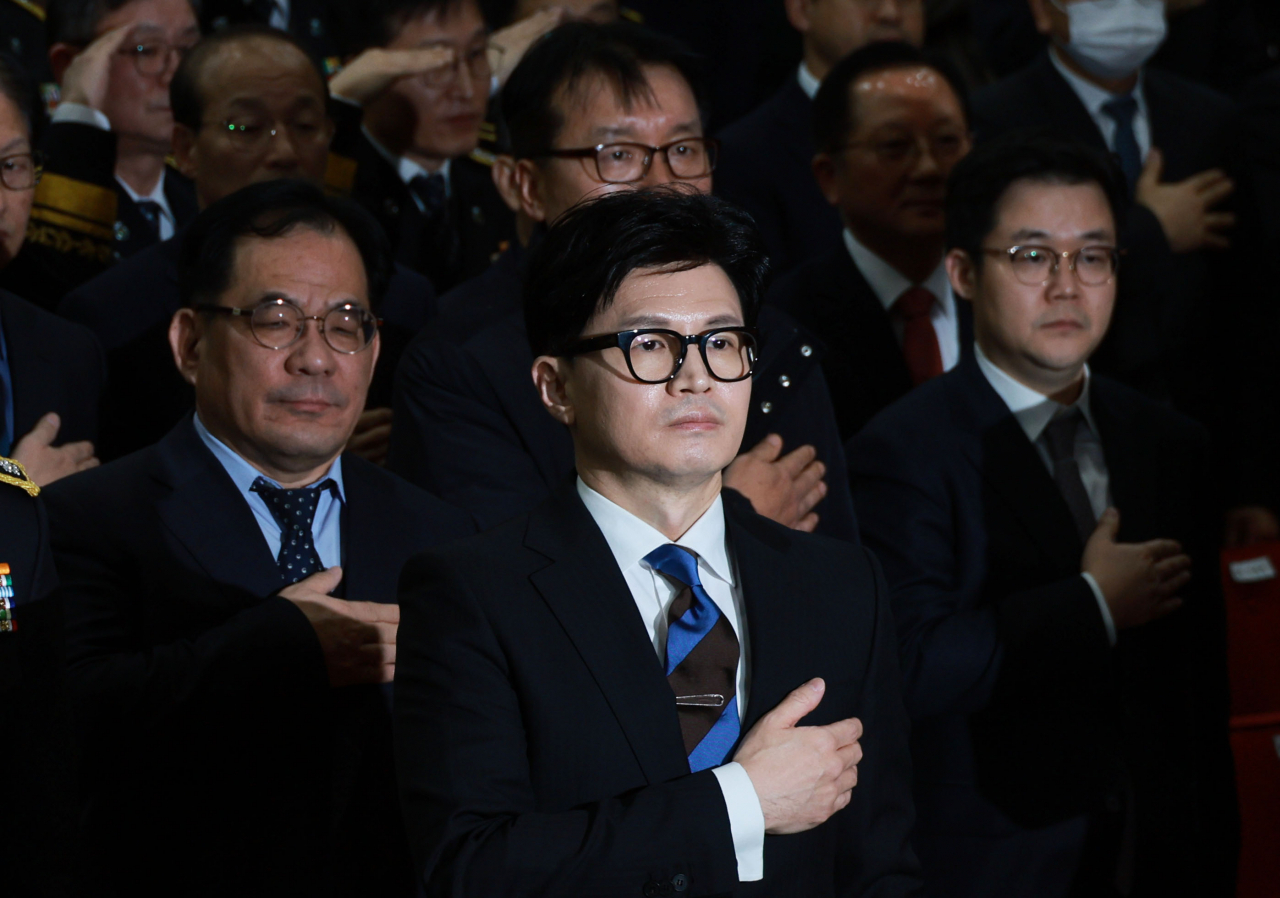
(471, 429)
(1028, 727)
(765, 167)
(214, 754)
(129, 308)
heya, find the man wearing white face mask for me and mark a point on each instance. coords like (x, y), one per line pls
(1185, 264)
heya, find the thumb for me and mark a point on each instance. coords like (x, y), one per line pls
(46, 429)
(767, 449)
(325, 581)
(1152, 170)
(1108, 525)
(797, 704)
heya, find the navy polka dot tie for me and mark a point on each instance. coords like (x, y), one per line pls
(294, 511)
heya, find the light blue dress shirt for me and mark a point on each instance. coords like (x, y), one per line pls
(326, 528)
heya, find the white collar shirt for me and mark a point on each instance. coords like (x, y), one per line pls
(407, 169)
(630, 539)
(887, 283)
(808, 83)
(167, 223)
(1094, 98)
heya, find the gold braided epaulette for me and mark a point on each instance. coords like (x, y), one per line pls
(12, 473)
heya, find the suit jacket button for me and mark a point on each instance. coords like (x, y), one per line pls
(766, 407)
(680, 882)
(806, 350)
(784, 380)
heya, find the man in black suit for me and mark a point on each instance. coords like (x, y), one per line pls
(409, 144)
(470, 427)
(255, 79)
(539, 747)
(1174, 337)
(1065, 671)
(108, 192)
(228, 707)
(51, 371)
(35, 858)
(889, 124)
(768, 155)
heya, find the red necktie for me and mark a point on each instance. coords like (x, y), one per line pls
(919, 339)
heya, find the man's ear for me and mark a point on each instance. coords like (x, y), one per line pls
(185, 331)
(962, 273)
(528, 189)
(798, 14)
(824, 172)
(549, 378)
(184, 150)
(60, 56)
(504, 178)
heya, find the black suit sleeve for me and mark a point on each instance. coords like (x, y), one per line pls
(267, 650)
(473, 822)
(959, 649)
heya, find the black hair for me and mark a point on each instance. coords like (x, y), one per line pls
(271, 209)
(833, 112)
(586, 255)
(185, 92)
(980, 180)
(362, 24)
(17, 88)
(75, 21)
(619, 51)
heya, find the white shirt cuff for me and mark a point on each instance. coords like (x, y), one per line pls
(746, 820)
(1102, 606)
(81, 114)
(341, 99)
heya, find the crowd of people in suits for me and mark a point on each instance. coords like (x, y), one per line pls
(386, 385)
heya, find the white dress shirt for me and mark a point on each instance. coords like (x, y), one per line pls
(87, 115)
(630, 539)
(808, 83)
(1094, 98)
(888, 284)
(406, 168)
(1034, 411)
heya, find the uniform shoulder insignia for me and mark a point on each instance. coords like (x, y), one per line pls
(482, 157)
(14, 474)
(34, 8)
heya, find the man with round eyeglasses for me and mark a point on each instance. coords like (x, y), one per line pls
(1048, 535)
(230, 590)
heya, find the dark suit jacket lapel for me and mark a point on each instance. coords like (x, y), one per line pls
(1132, 473)
(1012, 467)
(1063, 108)
(773, 633)
(798, 135)
(209, 516)
(32, 368)
(588, 595)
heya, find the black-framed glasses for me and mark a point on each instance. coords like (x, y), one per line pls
(254, 134)
(21, 171)
(152, 56)
(1035, 266)
(626, 163)
(655, 355)
(278, 324)
(946, 145)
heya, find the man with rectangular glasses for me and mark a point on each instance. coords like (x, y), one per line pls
(230, 590)
(641, 686)
(1064, 661)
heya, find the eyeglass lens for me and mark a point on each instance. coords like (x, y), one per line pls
(474, 61)
(1035, 265)
(621, 163)
(152, 57)
(19, 172)
(655, 357)
(253, 134)
(279, 325)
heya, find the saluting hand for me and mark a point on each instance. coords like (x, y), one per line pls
(45, 462)
(358, 638)
(87, 79)
(371, 73)
(511, 43)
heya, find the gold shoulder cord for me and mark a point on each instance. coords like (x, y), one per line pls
(12, 473)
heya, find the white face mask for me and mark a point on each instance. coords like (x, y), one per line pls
(1113, 38)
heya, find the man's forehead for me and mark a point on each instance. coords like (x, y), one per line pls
(251, 67)
(1043, 209)
(606, 106)
(284, 265)
(145, 17)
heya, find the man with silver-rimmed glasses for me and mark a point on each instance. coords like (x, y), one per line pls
(230, 590)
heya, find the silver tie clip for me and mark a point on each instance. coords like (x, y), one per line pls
(701, 701)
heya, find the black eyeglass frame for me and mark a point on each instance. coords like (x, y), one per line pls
(623, 340)
(710, 143)
(369, 322)
(1072, 256)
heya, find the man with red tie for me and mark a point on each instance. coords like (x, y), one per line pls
(889, 123)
